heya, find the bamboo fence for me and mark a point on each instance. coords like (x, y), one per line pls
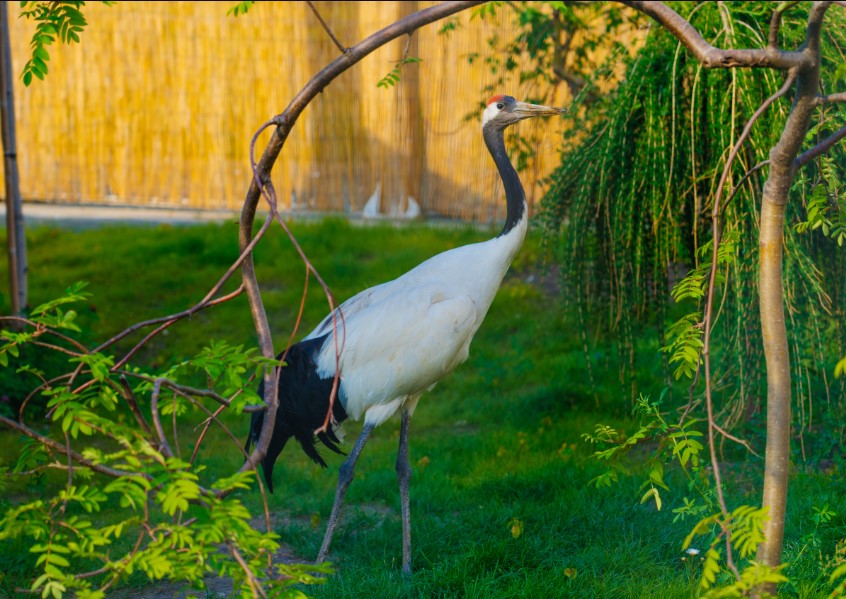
(157, 105)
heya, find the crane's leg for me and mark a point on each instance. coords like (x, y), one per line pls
(404, 477)
(345, 476)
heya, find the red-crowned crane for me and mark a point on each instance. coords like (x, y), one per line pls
(399, 338)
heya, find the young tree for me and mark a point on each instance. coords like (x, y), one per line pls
(802, 67)
(664, 163)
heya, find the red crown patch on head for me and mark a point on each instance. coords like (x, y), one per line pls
(496, 98)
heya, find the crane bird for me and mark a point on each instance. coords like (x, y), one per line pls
(398, 339)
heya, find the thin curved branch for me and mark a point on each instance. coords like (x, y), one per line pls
(737, 440)
(709, 304)
(788, 83)
(206, 302)
(775, 22)
(740, 183)
(129, 397)
(40, 329)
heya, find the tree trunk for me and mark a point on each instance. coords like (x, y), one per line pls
(14, 213)
(771, 292)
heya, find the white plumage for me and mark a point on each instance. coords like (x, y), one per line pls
(429, 314)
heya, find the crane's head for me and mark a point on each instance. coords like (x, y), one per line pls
(503, 111)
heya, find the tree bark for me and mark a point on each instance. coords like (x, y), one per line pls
(15, 237)
(771, 291)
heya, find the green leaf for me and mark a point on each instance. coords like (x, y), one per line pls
(710, 568)
(652, 492)
(239, 9)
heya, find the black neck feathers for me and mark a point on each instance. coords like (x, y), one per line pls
(515, 197)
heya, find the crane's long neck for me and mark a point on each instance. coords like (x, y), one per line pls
(515, 197)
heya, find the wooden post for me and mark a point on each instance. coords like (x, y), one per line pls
(14, 213)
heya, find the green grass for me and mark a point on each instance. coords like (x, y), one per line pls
(498, 441)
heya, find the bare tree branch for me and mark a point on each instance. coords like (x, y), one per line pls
(710, 56)
(326, 27)
(164, 446)
(831, 98)
(709, 304)
(775, 22)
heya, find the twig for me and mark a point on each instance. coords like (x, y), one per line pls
(56, 446)
(737, 440)
(740, 183)
(212, 417)
(40, 329)
(788, 83)
(129, 397)
(709, 306)
(252, 581)
(821, 148)
(171, 320)
(830, 98)
(164, 447)
(775, 22)
(326, 28)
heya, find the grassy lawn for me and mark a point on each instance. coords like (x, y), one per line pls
(500, 496)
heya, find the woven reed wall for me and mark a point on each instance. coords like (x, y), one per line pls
(158, 103)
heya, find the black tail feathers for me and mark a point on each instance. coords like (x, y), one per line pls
(303, 403)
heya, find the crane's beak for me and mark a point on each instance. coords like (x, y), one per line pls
(524, 110)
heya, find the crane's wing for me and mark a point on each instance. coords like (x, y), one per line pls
(357, 303)
(399, 345)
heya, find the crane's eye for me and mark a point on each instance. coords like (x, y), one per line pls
(500, 106)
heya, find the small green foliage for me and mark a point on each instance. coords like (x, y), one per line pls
(826, 202)
(674, 443)
(231, 370)
(690, 509)
(486, 10)
(239, 9)
(449, 25)
(54, 20)
(73, 294)
(746, 527)
(156, 492)
(751, 579)
(685, 336)
(392, 78)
